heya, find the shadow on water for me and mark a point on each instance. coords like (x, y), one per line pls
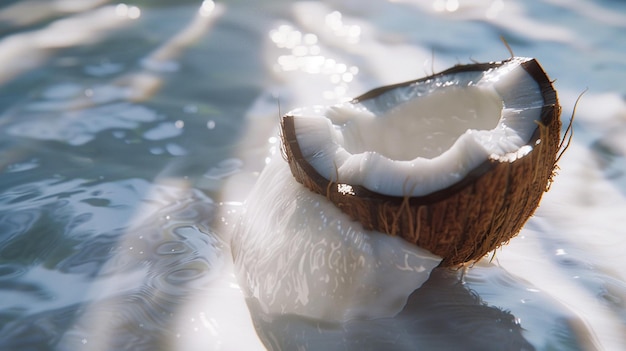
(611, 160)
(443, 314)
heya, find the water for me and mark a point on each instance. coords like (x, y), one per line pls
(131, 133)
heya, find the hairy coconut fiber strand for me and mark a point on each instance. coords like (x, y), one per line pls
(463, 222)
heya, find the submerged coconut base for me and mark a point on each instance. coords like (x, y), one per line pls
(468, 219)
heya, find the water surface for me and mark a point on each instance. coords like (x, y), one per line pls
(131, 133)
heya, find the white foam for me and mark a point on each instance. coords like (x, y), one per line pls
(299, 254)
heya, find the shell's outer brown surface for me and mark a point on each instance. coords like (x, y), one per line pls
(466, 220)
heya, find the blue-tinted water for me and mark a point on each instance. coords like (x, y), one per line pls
(131, 133)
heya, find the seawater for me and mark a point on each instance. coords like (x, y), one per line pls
(131, 135)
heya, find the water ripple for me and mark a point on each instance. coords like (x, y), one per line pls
(133, 275)
(89, 256)
(9, 271)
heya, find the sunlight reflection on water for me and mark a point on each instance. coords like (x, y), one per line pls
(133, 132)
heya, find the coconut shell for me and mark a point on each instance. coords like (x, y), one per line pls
(465, 221)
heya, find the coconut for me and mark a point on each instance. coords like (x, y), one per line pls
(455, 162)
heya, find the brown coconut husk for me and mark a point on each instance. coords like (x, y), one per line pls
(465, 221)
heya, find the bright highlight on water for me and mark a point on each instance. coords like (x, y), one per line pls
(133, 133)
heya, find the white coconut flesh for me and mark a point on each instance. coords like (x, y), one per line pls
(420, 138)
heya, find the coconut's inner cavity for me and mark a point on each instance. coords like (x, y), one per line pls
(421, 127)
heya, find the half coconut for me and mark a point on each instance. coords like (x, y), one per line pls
(455, 162)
